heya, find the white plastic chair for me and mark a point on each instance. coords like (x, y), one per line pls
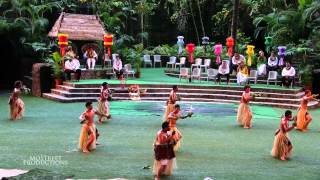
(171, 62)
(212, 74)
(128, 70)
(184, 73)
(197, 63)
(147, 60)
(181, 63)
(157, 59)
(272, 76)
(196, 74)
(205, 65)
(253, 76)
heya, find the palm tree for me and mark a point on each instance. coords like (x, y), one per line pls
(235, 17)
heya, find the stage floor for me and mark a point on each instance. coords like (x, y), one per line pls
(158, 76)
(213, 144)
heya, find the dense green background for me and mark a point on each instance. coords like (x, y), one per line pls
(213, 144)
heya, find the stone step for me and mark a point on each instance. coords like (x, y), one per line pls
(181, 90)
(169, 86)
(226, 95)
(157, 99)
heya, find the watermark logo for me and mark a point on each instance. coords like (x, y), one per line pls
(45, 160)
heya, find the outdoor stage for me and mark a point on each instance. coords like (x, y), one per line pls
(158, 85)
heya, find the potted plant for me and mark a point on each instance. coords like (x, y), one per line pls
(57, 68)
(137, 58)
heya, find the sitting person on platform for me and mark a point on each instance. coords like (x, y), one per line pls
(272, 62)
(70, 52)
(261, 64)
(164, 156)
(236, 60)
(72, 65)
(242, 75)
(117, 67)
(223, 70)
(91, 57)
(288, 74)
(282, 146)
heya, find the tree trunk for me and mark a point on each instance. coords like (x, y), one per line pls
(235, 17)
(202, 27)
(194, 21)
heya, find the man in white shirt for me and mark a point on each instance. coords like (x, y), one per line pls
(272, 62)
(236, 60)
(288, 74)
(117, 67)
(72, 65)
(223, 70)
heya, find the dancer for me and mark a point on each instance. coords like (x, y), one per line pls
(304, 117)
(244, 115)
(16, 104)
(89, 116)
(173, 98)
(164, 156)
(87, 137)
(173, 117)
(103, 102)
(282, 146)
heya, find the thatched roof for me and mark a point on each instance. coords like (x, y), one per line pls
(78, 27)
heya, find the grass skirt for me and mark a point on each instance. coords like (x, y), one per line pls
(84, 137)
(281, 145)
(303, 117)
(103, 108)
(16, 109)
(177, 137)
(244, 115)
(164, 155)
(169, 109)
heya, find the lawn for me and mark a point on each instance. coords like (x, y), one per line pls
(213, 144)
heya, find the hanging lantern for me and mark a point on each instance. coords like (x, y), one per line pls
(190, 49)
(205, 42)
(108, 42)
(282, 54)
(62, 42)
(250, 53)
(180, 43)
(268, 43)
(230, 44)
(217, 52)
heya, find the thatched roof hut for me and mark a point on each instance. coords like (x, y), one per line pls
(78, 27)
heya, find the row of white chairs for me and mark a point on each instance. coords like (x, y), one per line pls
(212, 75)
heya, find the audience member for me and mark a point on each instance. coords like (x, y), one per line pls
(223, 70)
(72, 65)
(288, 74)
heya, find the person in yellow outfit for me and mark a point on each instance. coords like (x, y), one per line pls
(304, 117)
(173, 117)
(282, 145)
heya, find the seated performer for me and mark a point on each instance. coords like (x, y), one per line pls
(15, 102)
(236, 60)
(173, 98)
(272, 62)
(89, 115)
(173, 117)
(223, 70)
(282, 146)
(117, 67)
(164, 156)
(103, 102)
(242, 75)
(304, 117)
(91, 58)
(288, 74)
(244, 115)
(261, 64)
(70, 52)
(72, 65)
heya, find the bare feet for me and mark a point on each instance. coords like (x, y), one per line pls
(85, 151)
(283, 158)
